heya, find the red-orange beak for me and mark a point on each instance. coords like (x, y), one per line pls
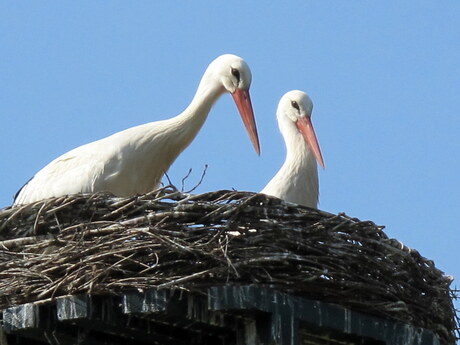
(306, 128)
(244, 105)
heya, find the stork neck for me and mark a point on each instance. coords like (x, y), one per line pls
(297, 150)
(193, 117)
(298, 154)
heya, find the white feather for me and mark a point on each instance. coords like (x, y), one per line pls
(134, 160)
(297, 180)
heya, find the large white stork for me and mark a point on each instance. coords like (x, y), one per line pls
(133, 161)
(297, 180)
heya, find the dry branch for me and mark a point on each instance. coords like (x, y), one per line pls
(101, 244)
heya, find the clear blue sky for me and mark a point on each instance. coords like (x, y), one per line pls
(384, 77)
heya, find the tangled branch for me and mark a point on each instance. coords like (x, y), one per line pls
(101, 244)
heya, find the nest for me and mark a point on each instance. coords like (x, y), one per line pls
(100, 244)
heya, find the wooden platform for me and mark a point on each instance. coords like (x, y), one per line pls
(240, 315)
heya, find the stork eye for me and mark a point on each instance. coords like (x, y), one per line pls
(236, 74)
(295, 105)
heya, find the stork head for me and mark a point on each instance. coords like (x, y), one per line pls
(294, 111)
(234, 75)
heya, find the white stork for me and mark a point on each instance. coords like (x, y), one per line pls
(133, 161)
(297, 180)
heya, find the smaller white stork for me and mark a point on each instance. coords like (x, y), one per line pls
(297, 180)
(133, 161)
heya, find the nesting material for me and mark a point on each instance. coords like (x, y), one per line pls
(101, 244)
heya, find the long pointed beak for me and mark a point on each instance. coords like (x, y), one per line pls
(306, 128)
(244, 105)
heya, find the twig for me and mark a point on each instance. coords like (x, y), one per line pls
(184, 178)
(201, 179)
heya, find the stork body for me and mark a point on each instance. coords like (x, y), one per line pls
(134, 160)
(297, 180)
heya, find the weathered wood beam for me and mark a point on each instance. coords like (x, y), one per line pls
(288, 310)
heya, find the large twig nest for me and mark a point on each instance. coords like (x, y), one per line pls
(104, 245)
